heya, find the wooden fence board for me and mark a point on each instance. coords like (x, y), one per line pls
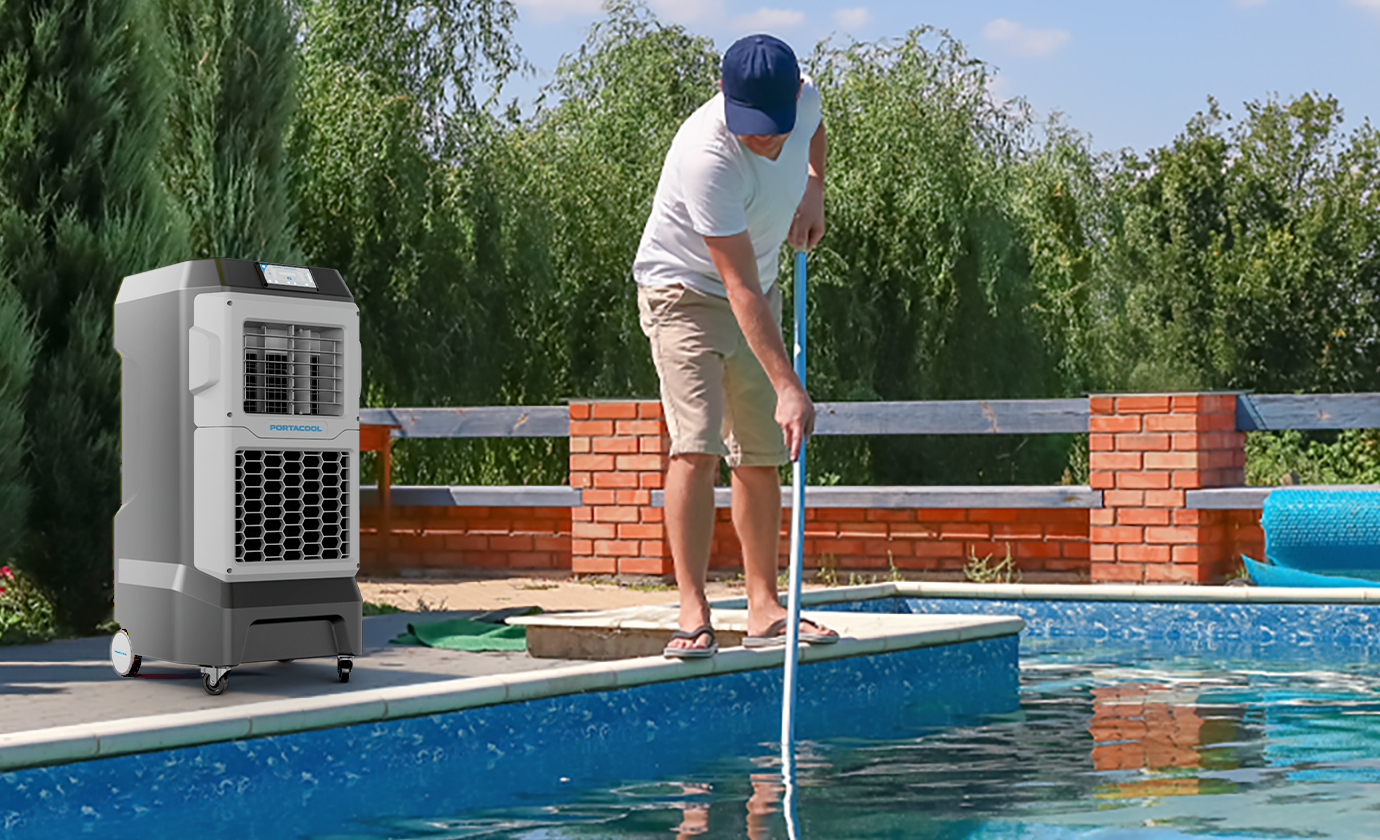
(1272, 412)
(478, 422)
(1039, 497)
(929, 417)
(1227, 498)
(953, 417)
(475, 496)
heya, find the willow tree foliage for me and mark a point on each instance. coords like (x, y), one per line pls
(78, 211)
(382, 142)
(925, 286)
(391, 145)
(596, 145)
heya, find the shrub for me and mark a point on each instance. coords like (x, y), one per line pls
(26, 614)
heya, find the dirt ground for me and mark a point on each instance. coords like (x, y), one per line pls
(551, 594)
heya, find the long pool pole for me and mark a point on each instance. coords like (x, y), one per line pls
(797, 550)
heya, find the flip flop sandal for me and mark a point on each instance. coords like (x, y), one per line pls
(827, 637)
(776, 635)
(693, 652)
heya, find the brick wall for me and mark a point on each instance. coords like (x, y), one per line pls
(448, 539)
(618, 456)
(1047, 545)
(1145, 452)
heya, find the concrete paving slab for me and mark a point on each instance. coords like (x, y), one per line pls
(624, 633)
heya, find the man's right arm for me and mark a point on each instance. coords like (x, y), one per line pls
(737, 266)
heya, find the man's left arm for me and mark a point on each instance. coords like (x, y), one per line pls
(808, 225)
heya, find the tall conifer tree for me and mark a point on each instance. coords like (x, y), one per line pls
(16, 363)
(228, 68)
(78, 211)
(16, 334)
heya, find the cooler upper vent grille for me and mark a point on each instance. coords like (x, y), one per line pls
(291, 505)
(292, 369)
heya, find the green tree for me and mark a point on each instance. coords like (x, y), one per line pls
(79, 210)
(599, 138)
(395, 186)
(227, 67)
(1245, 256)
(923, 286)
(1061, 207)
(382, 139)
(16, 363)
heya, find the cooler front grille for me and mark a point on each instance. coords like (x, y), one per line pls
(291, 505)
(291, 369)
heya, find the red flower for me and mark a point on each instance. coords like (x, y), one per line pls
(5, 572)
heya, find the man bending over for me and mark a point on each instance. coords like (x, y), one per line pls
(745, 173)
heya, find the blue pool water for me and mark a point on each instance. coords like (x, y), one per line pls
(1163, 722)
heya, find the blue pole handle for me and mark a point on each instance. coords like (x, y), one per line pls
(799, 296)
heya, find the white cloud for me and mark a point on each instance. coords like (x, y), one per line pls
(765, 20)
(550, 11)
(1024, 40)
(1372, 5)
(855, 18)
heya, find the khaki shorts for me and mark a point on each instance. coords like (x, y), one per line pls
(715, 394)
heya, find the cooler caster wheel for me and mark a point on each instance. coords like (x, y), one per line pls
(122, 656)
(342, 669)
(215, 680)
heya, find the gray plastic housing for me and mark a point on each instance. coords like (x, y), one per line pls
(175, 592)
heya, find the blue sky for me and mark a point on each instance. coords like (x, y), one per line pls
(1127, 73)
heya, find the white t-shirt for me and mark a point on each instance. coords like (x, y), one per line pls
(711, 185)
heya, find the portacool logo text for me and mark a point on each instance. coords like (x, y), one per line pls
(277, 427)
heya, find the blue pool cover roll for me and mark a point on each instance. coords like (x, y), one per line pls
(1264, 574)
(1325, 532)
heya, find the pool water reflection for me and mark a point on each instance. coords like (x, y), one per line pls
(1109, 742)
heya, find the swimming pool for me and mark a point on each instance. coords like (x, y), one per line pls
(1145, 721)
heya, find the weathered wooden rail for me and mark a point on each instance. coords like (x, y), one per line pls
(1254, 412)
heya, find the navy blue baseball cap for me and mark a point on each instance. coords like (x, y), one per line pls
(761, 81)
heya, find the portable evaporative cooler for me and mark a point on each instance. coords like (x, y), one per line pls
(237, 538)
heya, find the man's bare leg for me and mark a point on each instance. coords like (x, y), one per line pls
(757, 518)
(689, 508)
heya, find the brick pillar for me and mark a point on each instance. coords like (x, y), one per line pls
(1145, 452)
(618, 455)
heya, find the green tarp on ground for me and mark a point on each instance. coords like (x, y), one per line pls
(465, 634)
